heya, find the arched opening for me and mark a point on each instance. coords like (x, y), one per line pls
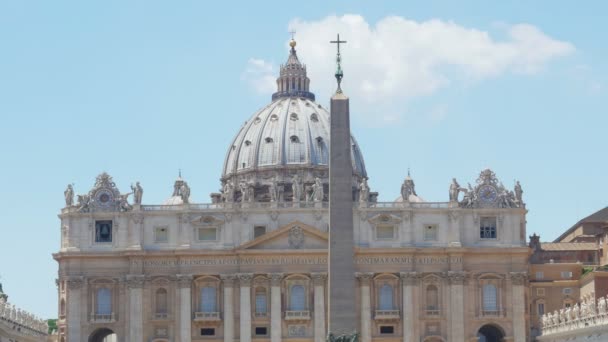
(490, 333)
(103, 335)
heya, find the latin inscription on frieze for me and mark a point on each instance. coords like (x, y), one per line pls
(294, 260)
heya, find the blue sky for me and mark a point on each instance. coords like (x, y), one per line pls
(142, 88)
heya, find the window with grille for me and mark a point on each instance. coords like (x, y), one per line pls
(208, 299)
(490, 298)
(540, 275)
(540, 292)
(103, 231)
(104, 301)
(161, 301)
(261, 302)
(567, 291)
(487, 228)
(432, 298)
(566, 274)
(386, 297)
(298, 298)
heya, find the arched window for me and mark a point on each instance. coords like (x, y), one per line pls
(490, 298)
(386, 297)
(261, 304)
(161, 301)
(104, 301)
(298, 298)
(208, 299)
(432, 298)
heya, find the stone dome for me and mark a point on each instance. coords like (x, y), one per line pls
(289, 136)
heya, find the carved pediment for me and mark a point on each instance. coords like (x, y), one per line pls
(206, 221)
(385, 219)
(293, 236)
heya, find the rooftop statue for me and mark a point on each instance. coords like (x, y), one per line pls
(185, 193)
(138, 193)
(455, 190)
(296, 188)
(407, 189)
(317, 190)
(363, 191)
(343, 338)
(69, 196)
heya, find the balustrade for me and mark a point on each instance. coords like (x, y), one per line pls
(581, 316)
(31, 324)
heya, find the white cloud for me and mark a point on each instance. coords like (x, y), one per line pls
(398, 59)
(260, 75)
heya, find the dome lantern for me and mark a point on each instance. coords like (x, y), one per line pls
(292, 80)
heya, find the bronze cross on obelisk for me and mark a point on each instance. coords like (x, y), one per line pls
(339, 73)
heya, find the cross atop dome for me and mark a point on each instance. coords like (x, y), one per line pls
(292, 80)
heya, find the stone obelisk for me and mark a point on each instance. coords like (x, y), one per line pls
(342, 311)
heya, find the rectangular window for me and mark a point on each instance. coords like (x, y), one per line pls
(103, 231)
(541, 309)
(208, 299)
(540, 292)
(387, 329)
(208, 332)
(261, 331)
(567, 305)
(567, 291)
(430, 232)
(566, 275)
(207, 234)
(540, 275)
(261, 304)
(487, 228)
(161, 235)
(259, 231)
(385, 232)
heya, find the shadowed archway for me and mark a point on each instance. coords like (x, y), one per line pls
(103, 335)
(490, 333)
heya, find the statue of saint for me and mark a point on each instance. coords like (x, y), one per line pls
(69, 196)
(296, 188)
(185, 193)
(138, 193)
(272, 190)
(407, 189)
(228, 192)
(364, 191)
(123, 202)
(318, 191)
(244, 192)
(83, 202)
(518, 192)
(454, 190)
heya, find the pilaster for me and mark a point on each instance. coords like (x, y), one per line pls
(135, 285)
(184, 287)
(456, 322)
(275, 306)
(409, 281)
(74, 314)
(228, 284)
(245, 323)
(318, 280)
(518, 282)
(366, 305)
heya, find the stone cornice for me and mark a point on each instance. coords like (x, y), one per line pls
(518, 278)
(457, 277)
(184, 281)
(135, 281)
(228, 279)
(75, 283)
(410, 278)
(276, 278)
(245, 279)
(318, 279)
(364, 277)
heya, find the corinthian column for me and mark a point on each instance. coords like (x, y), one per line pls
(409, 281)
(184, 285)
(74, 313)
(228, 281)
(135, 285)
(456, 318)
(518, 281)
(318, 280)
(366, 306)
(275, 306)
(245, 282)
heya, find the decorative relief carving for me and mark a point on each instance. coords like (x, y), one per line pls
(518, 278)
(410, 278)
(274, 215)
(318, 279)
(138, 218)
(454, 215)
(364, 277)
(260, 281)
(296, 237)
(457, 277)
(184, 280)
(276, 278)
(75, 283)
(228, 279)
(135, 281)
(245, 279)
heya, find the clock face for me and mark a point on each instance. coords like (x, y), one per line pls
(487, 194)
(103, 197)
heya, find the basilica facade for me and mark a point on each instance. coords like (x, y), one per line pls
(252, 265)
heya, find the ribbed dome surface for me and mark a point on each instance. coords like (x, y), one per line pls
(289, 132)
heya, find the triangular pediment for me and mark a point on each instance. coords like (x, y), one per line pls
(293, 236)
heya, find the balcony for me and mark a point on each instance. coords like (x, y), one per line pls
(432, 311)
(103, 318)
(387, 315)
(297, 315)
(493, 313)
(260, 315)
(207, 316)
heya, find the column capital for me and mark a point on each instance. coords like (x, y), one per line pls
(135, 281)
(364, 277)
(184, 280)
(318, 279)
(457, 277)
(276, 278)
(518, 278)
(410, 278)
(75, 283)
(245, 279)
(228, 279)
